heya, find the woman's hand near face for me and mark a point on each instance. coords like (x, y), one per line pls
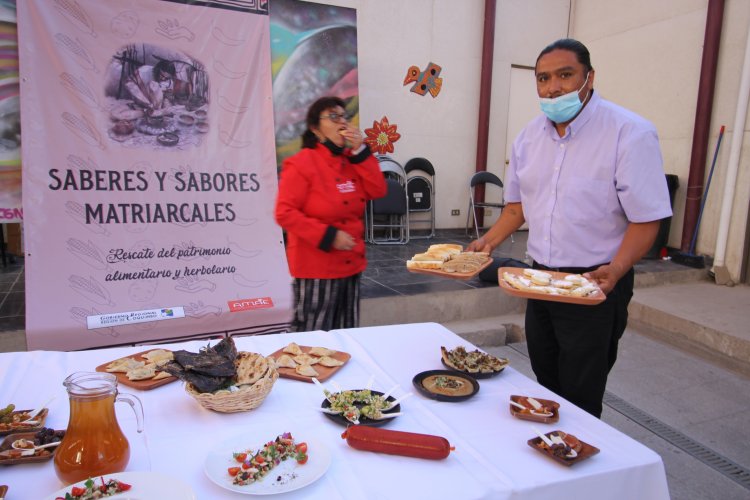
(343, 240)
(352, 136)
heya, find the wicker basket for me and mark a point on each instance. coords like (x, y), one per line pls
(247, 398)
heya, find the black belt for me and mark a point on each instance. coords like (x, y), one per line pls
(569, 270)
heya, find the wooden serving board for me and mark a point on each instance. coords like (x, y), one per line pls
(7, 444)
(587, 451)
(324, 372)
(143, 385)
(27, 428)
(455, 276)
(518, 413)
(590, 300)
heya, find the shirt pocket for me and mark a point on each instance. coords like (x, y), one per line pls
(586, 200)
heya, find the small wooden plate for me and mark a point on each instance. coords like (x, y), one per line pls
(516, 412)
(143, 385)
(40, 456)
(324, 372)
(587, 451)
(27, 428)
(591, 300)
(455, 276)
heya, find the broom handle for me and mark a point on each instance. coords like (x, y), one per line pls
(705, 193)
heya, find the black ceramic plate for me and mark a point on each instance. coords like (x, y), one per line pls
(472, 375)
(341, 420)
(419, 379)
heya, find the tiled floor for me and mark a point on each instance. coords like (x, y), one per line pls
(386, 273)
(12, 302)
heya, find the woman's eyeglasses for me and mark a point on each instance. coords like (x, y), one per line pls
(335, 117)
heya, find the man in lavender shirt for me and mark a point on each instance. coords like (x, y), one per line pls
(587, 176)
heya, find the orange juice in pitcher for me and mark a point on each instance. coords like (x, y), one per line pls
(94, 444)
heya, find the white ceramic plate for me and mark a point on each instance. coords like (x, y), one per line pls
(293, 476)
(145, 486)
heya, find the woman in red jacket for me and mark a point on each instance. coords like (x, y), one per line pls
(322, 194)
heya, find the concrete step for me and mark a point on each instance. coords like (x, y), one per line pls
(492, 331)
(439, 307)
(703, 318)
(673, 274)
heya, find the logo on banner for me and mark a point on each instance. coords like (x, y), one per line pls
(250, 304)
(132, 317)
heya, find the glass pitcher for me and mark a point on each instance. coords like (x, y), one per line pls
(94, 444)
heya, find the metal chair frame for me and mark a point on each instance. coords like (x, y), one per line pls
(485, 178)
(427, 180)
(392, 208)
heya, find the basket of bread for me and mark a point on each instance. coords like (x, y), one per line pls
(448, 259)
(222, 379)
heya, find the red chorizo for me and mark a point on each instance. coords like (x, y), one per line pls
(409, 444)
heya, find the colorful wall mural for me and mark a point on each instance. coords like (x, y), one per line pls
(313, 54)
(10, 122)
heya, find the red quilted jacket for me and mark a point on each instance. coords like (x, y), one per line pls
(320, 192)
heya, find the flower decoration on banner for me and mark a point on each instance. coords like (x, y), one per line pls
(425, 81)
(381, 136)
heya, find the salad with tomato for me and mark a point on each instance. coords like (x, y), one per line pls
(254, 466)
(92, 490)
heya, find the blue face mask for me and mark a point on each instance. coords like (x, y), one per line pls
(563, 108)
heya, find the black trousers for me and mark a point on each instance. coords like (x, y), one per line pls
(325, 304)
(573, 347)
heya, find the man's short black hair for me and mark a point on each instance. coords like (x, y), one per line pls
(579, 49)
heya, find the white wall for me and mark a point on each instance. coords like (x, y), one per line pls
(647, 56)
(396, 34)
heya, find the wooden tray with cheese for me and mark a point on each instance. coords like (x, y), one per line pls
(541, 285)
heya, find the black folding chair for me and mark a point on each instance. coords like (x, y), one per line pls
(482, 178)
(387, 218)
(420, 189)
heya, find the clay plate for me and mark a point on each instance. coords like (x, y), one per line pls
(143, 385)
(26, 428)
(419, 378)
(324, 372)
(587, 451)
(456, 276)
(168, 139)
(591, 300)
(186, 120)
(518, 413)
(40, 456)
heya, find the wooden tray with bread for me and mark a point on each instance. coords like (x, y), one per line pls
(449, 261)
(140, 370)
(549, 285)
(299, 362)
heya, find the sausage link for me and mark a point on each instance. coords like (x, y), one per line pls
(408, 444)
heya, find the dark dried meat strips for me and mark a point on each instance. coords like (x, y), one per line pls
(206, 363)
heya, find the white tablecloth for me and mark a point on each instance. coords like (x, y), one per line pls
(491, 460)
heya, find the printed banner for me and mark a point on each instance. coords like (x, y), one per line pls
(149, 172)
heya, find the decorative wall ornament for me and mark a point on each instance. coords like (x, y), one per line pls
(425, 81)
(381, 136)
